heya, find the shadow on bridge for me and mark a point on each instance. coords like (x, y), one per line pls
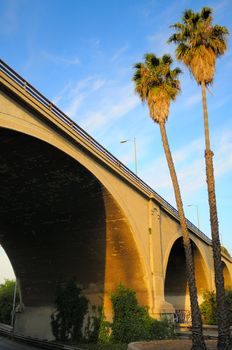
(59, 222)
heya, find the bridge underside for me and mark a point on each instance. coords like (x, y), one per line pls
(58, 222)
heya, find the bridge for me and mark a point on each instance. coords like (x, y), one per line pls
(70, 209)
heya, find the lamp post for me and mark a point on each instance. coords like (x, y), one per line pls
(198, 220)
(14, 302)
(135, 152)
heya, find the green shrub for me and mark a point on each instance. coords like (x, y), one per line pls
(209, 307)
(6, 300)
(105, 329)
(131, 322)
(163, 329)
(71, 307)
(97, 329)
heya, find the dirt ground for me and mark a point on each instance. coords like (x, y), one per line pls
(174, 345)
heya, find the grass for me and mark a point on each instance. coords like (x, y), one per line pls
(103, 346)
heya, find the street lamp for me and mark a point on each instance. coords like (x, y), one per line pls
(14, 302)
(135, 152)
(198, 220)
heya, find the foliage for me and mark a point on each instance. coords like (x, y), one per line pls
(163, 329)
(131, 322)
(6, 300)
(209, 307)
(109, 346)
(157, 84)
(71, 307)
(105, 329)
(199, 43)
(97, 329)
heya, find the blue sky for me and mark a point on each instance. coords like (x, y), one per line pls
(80, 54)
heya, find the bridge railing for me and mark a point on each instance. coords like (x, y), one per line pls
(96, 145)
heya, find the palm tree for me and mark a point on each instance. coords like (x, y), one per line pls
(199, 44)
(157, 85)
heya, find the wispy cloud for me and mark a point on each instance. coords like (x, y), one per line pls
(115, 107)
(60, 59)
(73, 95)
(117, 55)
(193, 100)
(190, 165)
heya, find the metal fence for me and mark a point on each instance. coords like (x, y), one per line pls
(183, 316)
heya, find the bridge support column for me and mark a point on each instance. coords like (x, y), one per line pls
(159, 305)
(34, 322)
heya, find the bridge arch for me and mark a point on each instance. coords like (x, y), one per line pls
(226, 275)
(111, 252)
(176, 288)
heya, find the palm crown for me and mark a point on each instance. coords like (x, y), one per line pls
(157, 84)
(199, 43)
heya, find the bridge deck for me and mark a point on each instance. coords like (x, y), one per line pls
(9, 76)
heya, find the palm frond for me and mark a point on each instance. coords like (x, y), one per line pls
(197, 38)
(157, 84)
(206, 12)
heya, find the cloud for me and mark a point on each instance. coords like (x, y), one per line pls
(73, 95)
(111, 108)
(117, 55)
(190, 165)
(193, 100)
(61, 60)
(158, 41)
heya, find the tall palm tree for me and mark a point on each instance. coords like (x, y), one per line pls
(199, 43)
(157, 85)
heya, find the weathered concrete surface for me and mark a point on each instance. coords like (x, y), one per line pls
(67, 211)
(35, 321)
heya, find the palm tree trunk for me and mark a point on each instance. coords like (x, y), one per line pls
(197, 335)
(223, 320)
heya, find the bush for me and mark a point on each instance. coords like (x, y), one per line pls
(71, 307)
(209, 307)
(131, 322)
(97, 329)
(6, 301)
(163, 329)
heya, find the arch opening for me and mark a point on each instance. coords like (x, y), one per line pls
(59, 222)
(176, 286)
(227, 277)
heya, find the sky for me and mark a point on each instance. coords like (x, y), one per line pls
(80, 54)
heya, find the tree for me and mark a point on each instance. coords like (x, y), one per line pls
(6, 301)
(199, 43)
(71, 307)
(157, 85)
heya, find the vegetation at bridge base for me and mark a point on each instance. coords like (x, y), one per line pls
(6, 300)
(131, 322)
(71, 307)
(209, 307)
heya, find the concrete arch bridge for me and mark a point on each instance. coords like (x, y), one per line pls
(68, 208)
